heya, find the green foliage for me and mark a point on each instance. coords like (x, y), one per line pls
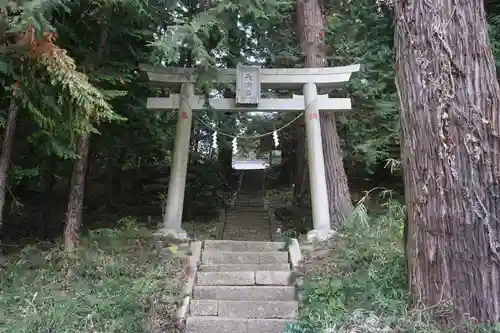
(114, 283)
(50, 86)
(90, 74)
(209, 230)
(361, 32)
(205, 188)
(362, 268)
(357, 282)
(19, 175)
(220, 29)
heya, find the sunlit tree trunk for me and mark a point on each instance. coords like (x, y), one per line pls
(76, 194)
(450, 119)
(80, 169)
(8, 140)
(311, 32)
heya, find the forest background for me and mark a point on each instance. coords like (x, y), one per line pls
(80, 148)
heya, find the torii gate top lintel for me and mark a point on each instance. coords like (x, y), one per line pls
(277, 78)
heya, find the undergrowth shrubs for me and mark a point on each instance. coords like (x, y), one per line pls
(120, 280)
(357, 281)
(281, 197)
(293, 220)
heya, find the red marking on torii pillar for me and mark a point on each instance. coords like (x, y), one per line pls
(184, 115)
(313, 115)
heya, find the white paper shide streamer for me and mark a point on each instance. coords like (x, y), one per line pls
(214, 140)
(276, 139)
(235, 146)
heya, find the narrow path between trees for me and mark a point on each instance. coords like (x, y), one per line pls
(242, 282)
(247, 219)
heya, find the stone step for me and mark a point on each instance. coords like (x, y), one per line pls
(244, 268)
(247, 293)
(247, 205)
(246, 237)
(242, 216)
(247, 212)
(216, 324)
(244, 202)
(244, 309)
(217, 258)
(236, 246)
(251, 203)
(250, 278)
(243, 224)
(253, 193)
(248, 202)
(225, 278)
(255, 230)
(271, 278)
(247, 219)
(247, 216)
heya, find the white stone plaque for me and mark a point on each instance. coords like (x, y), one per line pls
(247, 84)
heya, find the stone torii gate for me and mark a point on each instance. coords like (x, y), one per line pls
(249, 81)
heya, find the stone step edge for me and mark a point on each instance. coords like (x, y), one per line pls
(248, 293)
(242, 246)
(245, 309)
(216, 324)
(212, 257)
(244, 267)
(192, 261)
(248, 278)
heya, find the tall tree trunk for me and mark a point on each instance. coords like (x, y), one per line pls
(450, 120)
(76, 194)
(8, 140)
(311, 27)
(89, 166)
(336, 180)
(80, 168)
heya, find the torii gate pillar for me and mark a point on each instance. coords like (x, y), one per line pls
(316, 161)
(172, 217)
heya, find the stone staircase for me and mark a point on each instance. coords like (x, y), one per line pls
(242, 287)
(247, 219)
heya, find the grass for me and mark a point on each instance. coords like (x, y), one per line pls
(357, 281)
(201, 231)
(120, 280)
